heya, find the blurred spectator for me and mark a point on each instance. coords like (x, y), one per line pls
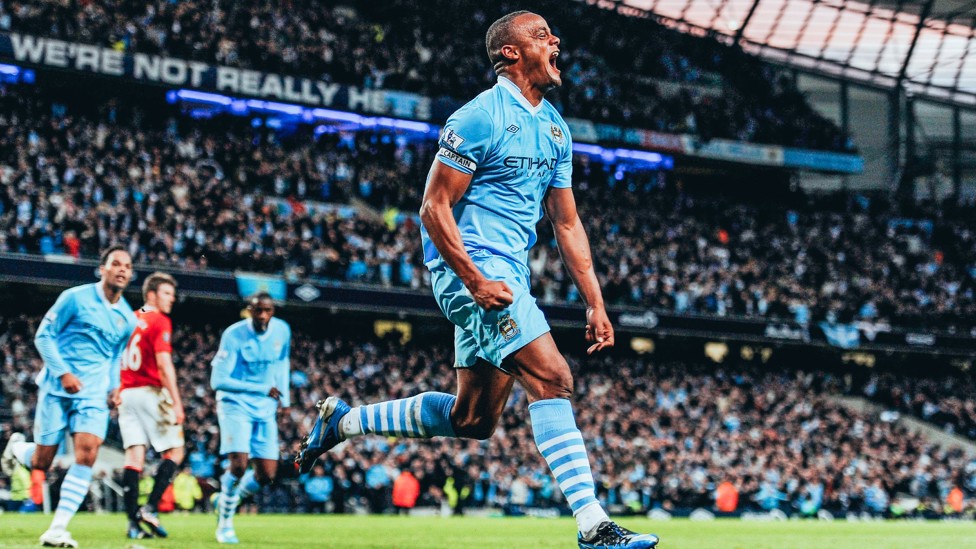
(186, 490)
(318, 488)
(406, 490)
(726, 497)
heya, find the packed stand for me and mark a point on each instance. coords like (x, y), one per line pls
(222, 194)
(660, 435)
(947, 402)
(612, 65)
(841, 258)
(213, 194)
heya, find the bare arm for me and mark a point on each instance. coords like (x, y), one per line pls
(574, 247)
(445, 187)
(167, 376)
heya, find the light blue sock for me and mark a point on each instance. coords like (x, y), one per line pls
(228, 499)
(74, 488)
(248, 485)
(422, 416)
(561, 444)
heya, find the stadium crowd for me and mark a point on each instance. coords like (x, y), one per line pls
(218, 193)
(661, 435)
(949, 403)
(616, 69)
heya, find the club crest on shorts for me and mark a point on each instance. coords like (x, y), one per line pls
(557, 134)
(508, 327)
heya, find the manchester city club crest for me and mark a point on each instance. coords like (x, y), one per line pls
(507, 327)
(557, 133)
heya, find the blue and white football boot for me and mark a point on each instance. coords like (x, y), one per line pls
(325, 433)
(611, 536)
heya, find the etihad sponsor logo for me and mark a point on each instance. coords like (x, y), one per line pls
(527, 163)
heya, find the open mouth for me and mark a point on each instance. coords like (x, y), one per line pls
(552, 61)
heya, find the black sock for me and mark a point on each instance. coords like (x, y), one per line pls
(130, 494)
(164, 474)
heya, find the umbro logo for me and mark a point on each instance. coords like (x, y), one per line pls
(513, 128)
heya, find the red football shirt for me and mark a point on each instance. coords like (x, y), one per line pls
(152, 335)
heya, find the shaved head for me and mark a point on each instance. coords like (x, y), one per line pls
(502, 32)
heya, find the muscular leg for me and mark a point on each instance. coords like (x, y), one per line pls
(482, 393)
(43, 457)
(546, 377)
(542, 371)
(86, 448)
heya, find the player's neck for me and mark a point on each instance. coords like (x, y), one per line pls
(531, 93)
(111, 294)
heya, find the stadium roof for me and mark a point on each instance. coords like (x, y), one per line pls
(929, 46)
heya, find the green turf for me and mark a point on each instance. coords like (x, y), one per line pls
(305, 531)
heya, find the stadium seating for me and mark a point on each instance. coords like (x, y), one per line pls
(619, 70)
(949, 403)
(220, 194)
(661, 434)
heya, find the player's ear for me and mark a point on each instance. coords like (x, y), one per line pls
(511, 52)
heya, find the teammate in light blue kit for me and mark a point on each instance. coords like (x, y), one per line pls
(81, 340)
(502, 157)
(251, 376)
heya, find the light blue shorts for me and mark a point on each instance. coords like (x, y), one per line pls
(242, 432)
(56, 414)
(489, 335)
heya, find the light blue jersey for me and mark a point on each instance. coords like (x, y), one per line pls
(516, 152)
(249, 364)
(85, 335)
(245, 369)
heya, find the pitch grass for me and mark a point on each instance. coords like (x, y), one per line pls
(387, 532)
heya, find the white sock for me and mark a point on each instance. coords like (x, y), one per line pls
(589, 517)
(351, 424)
(74, 488)
(22, 452)
(61, 520)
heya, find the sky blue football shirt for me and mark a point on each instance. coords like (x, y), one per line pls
(516, 152)
(85, 335)
(249, 364)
